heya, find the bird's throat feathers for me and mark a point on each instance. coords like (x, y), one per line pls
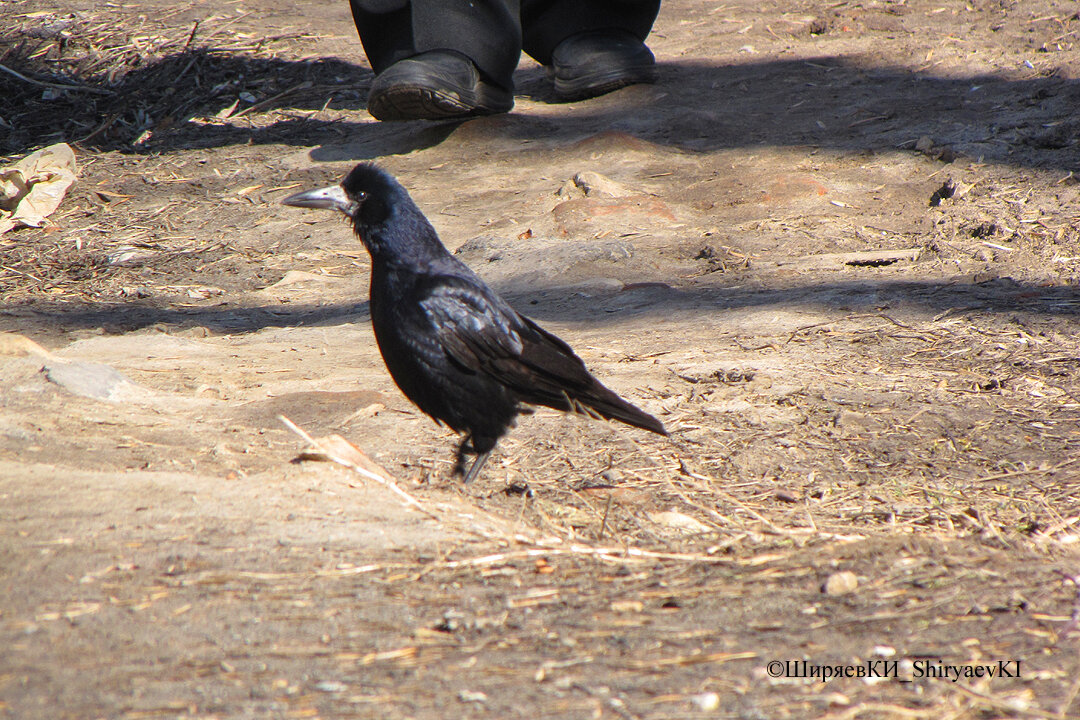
(397, 230)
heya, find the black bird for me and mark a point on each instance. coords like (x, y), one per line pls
(453, 346)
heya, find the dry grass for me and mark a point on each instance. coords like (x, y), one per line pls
(110, 78)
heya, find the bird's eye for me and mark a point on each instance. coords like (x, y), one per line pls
(361, 195)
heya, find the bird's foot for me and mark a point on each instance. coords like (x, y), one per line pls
(476, 465)
(467, 447)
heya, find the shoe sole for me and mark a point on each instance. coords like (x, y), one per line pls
(590, 86)
(412, 103)
(414, 96)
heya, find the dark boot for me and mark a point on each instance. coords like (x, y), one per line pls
(599, 61)
(435, 85)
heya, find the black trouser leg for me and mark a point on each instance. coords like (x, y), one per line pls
(491, 33)
(488, 32)
(546, 23)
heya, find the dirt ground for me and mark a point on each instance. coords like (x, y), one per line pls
(836, 249)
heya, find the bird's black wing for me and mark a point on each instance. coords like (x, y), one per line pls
(475, 332)
(482, 334)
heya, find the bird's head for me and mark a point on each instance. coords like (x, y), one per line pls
(365, 196)
(383, 215)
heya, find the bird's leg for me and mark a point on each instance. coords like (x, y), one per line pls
(463, 448)
(469, 444)
(478, 463)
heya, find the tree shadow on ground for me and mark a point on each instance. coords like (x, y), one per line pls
(1002, 296)
(846, 103)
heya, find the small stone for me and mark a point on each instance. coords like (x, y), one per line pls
(841, 583)
(452, 621)
(838, 699)
(679, 522)
(706, 702)
(613, 476)
(594, 184)
(472, 696)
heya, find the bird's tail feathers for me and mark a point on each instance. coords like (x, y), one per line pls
(599, 401)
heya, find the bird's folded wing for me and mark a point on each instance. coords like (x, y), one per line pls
(483, 334)
(473, 330)
(480, 333)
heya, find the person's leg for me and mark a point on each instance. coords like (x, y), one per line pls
(591, 47)
(385, 30)
(438, 59)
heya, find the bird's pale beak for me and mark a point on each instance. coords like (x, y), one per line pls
(327, 198)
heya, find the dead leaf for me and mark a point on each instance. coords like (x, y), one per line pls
(32, 188)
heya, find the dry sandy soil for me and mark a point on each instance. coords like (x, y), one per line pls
(836, 249)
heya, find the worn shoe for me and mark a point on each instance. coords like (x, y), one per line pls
(597, 62)
(435, 85)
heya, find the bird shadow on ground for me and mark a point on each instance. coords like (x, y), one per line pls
(843, 102)
(1002, 296)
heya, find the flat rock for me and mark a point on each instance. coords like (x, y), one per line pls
(97, 381)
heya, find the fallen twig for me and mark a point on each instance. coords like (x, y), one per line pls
(270, 100)
(324, 449)
(56, 86)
